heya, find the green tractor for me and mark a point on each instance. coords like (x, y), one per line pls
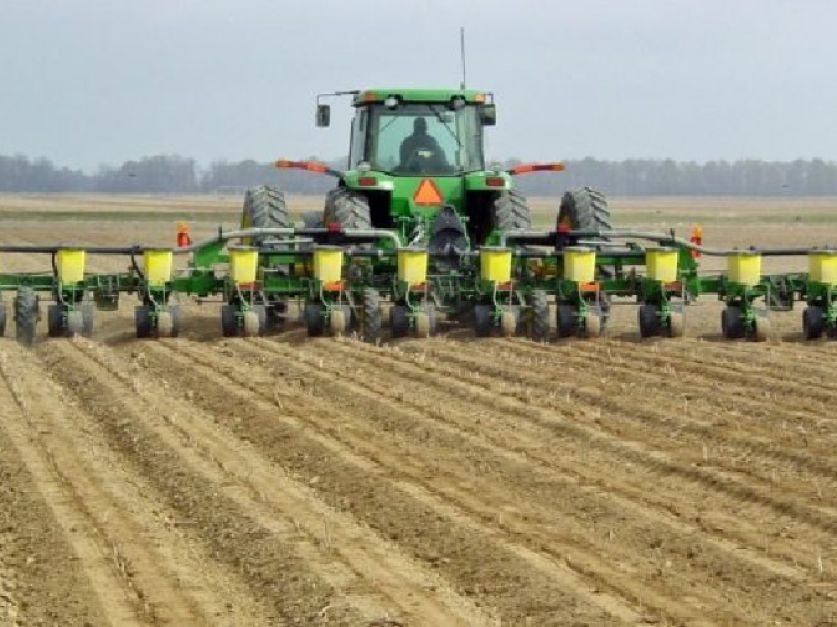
(417, 170)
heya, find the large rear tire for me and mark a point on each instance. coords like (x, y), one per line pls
(264, 207)
(584, 209)
(347, 208)
(511, 212)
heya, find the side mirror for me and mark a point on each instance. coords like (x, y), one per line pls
(323, 115)
(488, 115)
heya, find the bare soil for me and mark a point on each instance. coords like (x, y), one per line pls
(451, 481)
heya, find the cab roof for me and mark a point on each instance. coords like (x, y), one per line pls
(368, 96)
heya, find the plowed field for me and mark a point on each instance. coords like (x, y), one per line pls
(451, 481)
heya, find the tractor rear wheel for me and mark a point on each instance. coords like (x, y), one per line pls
(511, 212)
(371, 315)
(540, 316)
(347, 208)
(264, 207)
(584, 209)
(26, 315)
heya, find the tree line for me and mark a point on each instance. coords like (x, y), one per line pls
(163, 174)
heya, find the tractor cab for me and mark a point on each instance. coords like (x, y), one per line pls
(401, 137)
(414, 155)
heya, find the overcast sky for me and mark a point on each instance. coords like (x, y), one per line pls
(87, 82)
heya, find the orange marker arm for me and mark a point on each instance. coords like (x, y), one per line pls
(310, 166)
(527, 168)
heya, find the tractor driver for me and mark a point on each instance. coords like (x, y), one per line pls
(421, 147)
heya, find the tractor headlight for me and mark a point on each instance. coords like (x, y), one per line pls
(391, 102)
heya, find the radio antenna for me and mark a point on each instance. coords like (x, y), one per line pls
(462, 54)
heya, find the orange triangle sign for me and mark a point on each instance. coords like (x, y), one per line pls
(427, 193)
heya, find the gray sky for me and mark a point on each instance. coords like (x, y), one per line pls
(87, 82)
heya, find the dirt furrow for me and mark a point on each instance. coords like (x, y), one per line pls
(588, 464)
(754, 393)
(672, 414)
(372, 482)
(736, 443)
(526, 446)
(327, 537)
(53, 567)
(394, 425)
(564, 418)
(173, 576)
(759, 366)
(257, 551)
